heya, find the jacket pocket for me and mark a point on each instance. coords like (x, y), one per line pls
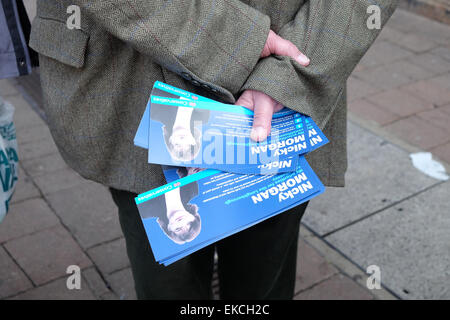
(54, 39)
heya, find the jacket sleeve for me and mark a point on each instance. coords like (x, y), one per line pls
(212, 43)
(335, 36)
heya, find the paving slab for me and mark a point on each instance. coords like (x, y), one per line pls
(446, 109)
(409, 69)
(370, 111)
(110, 256)
(58, 180)
(442, 81)
(338, 287)
(437, 117)
(33, 134)
(12, 279)
(410, 243)
(411, 23)
(27, 217)
(432, 90)
(404, 21)
(442, 51)
(390, 34)
(419, 132)
(431, 62)
(95, 282)
(57, 290)
(357, 89)
(7, 88)
(413, 42)
(312, 267)
(45, 255)
(43, 165)
(122, 284)
(399, 102)
(343, 264)
(24, 116)
(89, 213)
(109, 296)
(32, 150)
(383, 77)
(25, 188)
(442, 152)
(378, 175)
(381, 53)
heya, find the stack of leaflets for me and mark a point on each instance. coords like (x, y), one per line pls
(219, 181)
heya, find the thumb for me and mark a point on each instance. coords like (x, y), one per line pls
(246, 100)
(282, 47)
(262, 119)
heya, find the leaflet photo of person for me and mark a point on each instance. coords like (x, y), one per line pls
(178, 218)
(181, 131)
(187, 171)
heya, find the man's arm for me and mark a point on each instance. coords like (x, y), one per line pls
(215, 43)
(335, 36)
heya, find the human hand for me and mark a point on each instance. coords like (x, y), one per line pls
(263, 107)
(261, 104)
(282, 47)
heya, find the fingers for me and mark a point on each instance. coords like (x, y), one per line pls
(268, 47)
(262, 119)
(263, 107)
(246, 100)
(282, 47)
(278, 107)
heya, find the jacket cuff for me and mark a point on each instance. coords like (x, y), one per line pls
(295, 87)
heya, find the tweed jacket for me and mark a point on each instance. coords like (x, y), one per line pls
(97, 79)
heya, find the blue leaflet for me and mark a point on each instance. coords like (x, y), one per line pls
(224, 138)
(284, 164)
(185, 253)
(225, 202)
(250, 182)
(315, 136)
(141, 137)
(164, 90)
(219, 136)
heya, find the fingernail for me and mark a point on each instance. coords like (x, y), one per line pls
(303, 60)
(258, 134)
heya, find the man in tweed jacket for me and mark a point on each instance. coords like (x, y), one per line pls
(96, 81)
